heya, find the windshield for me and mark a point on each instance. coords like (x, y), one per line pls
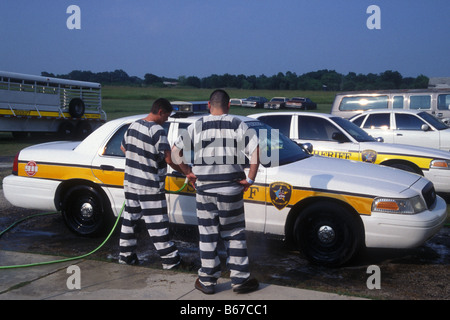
(276, 148)
(352, 129)
(438, 124)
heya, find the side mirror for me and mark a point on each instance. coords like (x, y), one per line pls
(379, 139)
(307, 147)
(339, 137)
(425, 127)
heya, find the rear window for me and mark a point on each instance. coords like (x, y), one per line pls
(443, 102)
(363, 103)
(378, 121)
(280, 122)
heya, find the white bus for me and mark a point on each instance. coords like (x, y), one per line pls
(41, 104)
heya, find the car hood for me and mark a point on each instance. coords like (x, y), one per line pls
(354, 177)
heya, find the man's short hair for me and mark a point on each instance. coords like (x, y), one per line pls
(163, 104)
(219, 97)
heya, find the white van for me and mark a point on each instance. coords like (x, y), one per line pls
(433, 101)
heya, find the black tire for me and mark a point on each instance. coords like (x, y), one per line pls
(85, 213)
(405, 167)
(66, 130)
(76, 108)
(83, 129)
(328, 234)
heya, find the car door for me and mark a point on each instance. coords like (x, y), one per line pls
(182, 205)
(108, 166)
(327, 139)
(409, 130)
(180, 201)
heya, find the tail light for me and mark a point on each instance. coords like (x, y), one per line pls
(15, 168)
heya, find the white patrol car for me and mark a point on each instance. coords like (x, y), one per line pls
(413, 127)
(330, 214)
(336, 137)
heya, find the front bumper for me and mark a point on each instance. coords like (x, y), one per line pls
(384, 230)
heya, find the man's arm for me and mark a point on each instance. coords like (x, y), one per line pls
(254, 165)
(175, 160)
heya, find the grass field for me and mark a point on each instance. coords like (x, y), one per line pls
(124, 101)
(120, 101)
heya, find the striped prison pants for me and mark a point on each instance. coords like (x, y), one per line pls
(152, 208)
(222, 216)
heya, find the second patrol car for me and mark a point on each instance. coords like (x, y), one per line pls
(335, 137)
(330, 214)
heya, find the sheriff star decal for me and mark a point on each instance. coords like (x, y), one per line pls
(369, 156)
(280, 194)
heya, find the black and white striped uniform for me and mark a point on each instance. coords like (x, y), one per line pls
(219, 143)
(144, 183)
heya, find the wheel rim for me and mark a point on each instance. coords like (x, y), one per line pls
(83, 213)
(326, 234)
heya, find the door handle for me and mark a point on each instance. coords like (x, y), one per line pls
(106, 167)
(399, 134)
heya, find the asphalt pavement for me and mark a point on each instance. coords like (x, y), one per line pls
(87, 279)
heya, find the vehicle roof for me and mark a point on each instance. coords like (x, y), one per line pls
(365, 92)
(301, 113)
(393, 111)
(190, 118)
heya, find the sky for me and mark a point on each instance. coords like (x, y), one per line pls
(173, 38)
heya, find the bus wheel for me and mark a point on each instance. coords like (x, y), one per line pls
(76, 108)
(83, 129)
(66, 130)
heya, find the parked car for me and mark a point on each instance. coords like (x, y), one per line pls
(254, 102)
(434, 101)
(236, 102)
(276, 103)
(417, 128)
(337, 137)
(329, 208)
(301, 104)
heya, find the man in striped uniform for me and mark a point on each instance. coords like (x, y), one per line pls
(147, 153)
(218, 141)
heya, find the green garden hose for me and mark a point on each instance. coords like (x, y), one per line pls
(78, 257)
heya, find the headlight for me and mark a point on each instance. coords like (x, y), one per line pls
(440, 164)
(399, 206)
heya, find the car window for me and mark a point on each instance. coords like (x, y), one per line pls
(443, 102)
(420, 102)
(314, 128)
(356, 132)
(435, 122)
(358, 120)
(274, 142)
(398, 102)
(378, 121)
(112, 148)
(364, 103)
(280, 122)
(408, 122)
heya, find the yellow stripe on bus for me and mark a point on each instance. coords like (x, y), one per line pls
(51, 114)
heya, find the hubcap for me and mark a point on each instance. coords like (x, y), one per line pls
(326, 234)
(87, 211)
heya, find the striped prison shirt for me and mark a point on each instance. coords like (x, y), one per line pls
(145, 166)
(220, 146)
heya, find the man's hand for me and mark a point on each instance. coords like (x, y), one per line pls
(245, 184)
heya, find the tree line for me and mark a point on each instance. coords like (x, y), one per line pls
(317, 80)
